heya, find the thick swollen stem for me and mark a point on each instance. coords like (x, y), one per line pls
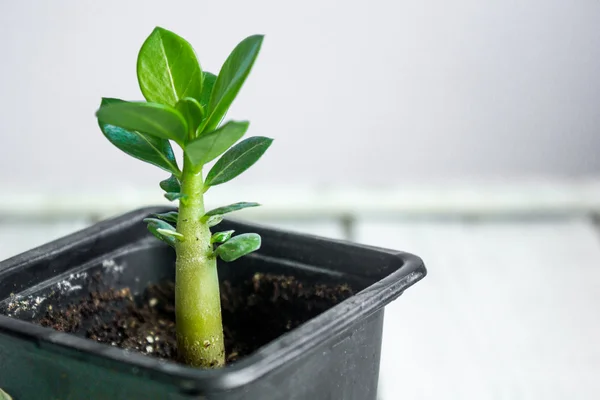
(197, 299)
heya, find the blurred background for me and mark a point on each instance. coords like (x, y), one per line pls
(465, 132)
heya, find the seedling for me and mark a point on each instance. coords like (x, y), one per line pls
(187, 105)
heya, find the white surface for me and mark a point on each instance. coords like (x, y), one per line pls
(354, 92)
(19, 236)
(524, 197)
(508, 311)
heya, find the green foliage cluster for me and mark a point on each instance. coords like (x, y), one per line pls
(186, 105)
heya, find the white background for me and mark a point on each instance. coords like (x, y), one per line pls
(354, 92)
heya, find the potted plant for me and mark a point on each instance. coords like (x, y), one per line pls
(303, 315)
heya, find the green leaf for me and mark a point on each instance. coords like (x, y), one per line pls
(142, 146)
(192, 112)
(237, 159)
(214, 220)
(233, 73)
(4, 395)
(171, 184)
(154, 119)
(168, 69)
(155, 226)
(230, 208)
(211, 145)
(220, 237)
(159, 223)
(238, 246)
(170, 216)
(175, 196)
(171, 233)
(207, 87)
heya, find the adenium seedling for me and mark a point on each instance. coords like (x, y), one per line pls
(186, 105)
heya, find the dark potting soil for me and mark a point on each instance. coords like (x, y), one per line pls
(254, 313)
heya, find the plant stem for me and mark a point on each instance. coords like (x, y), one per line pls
(197, 298)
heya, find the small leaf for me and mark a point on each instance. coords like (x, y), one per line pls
(233, 73)
(231, 208)
(4, 395)
(170, 216)
(169, 232)
(214, 220)
(220, 237)
(207, 87)
(154, 119)
(171, 184)
(175, 196)
(191, 111)
(211, 145)
(238, 246)
(154, 225)
(168, 69)
(237, 159)
(142, 146)
(159, 223)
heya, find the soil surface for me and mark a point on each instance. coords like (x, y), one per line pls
(254, 313)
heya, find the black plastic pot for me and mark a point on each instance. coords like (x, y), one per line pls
(333, 356)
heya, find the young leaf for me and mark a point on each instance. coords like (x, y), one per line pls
(207, 87)
(154, 225)
(214, 220)
(238, 246)
(192, 112)
(154, 119)
(170, 185)
(171, 233)
(237, 159)
(220, 237)
(167, 68)
(170, 216)
(230, 208)
(159, 223)
(233, 73)
(175, 196)
(209, 146)
(142, 146)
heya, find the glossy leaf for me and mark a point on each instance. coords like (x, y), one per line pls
(220, 237)
(237, 159)
(171, 185)
(214, 220)
(154, 225)
(209, 146)
(142, 146)
(154, 119)
(159, 223)
(170, 216)
(175, 196)
(231, 208)
(207, 87)
(233, 73)
(192, 111)
(238, 246)
(171, 233)
(168, 69)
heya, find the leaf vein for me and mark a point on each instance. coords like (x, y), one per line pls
(170, 74)
(235, 160)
